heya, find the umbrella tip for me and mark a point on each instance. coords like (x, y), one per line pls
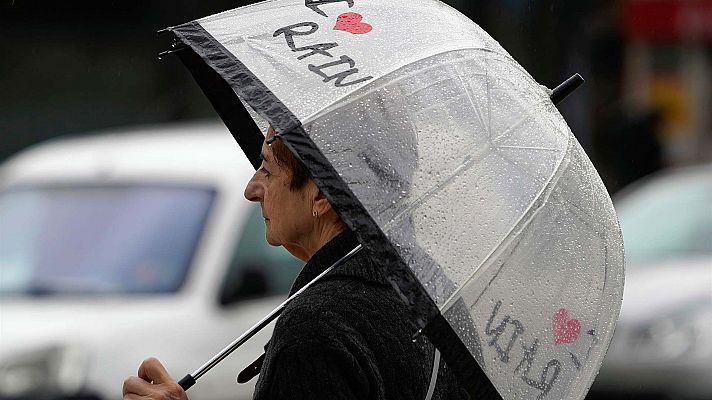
(566, 88)
(169, 52)
(175, 48)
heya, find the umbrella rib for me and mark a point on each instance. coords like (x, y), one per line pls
(517, 228)
(469, 160)
(381, 82)
(515, 125)
(528, 148)
(456, 295)
(472, 102)
(489, 104)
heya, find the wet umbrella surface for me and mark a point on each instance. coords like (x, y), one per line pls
(451, 164)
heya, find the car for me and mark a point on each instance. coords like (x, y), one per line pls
(662, 346)
(128, 244)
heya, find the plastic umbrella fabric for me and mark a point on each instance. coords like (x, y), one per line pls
(448, 160)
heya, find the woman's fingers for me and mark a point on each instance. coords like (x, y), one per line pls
(151, 370)
(152, 382)
(136, 385)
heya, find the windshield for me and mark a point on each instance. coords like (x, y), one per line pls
(668, 219)
(92, 240)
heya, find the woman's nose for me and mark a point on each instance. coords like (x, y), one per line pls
(254, 190)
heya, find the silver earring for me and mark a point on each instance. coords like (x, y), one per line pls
(316, 214)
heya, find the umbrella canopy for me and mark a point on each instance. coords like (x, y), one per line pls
(451, 164)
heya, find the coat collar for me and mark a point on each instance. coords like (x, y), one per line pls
(359, 266)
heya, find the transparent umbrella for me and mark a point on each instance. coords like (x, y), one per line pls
(451, 164)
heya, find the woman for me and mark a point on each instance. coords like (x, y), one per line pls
(346, 337)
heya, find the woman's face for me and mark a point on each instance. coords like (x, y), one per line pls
(287, 213)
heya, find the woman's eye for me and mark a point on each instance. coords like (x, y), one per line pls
(264, 171)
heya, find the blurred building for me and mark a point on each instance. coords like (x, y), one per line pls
(668, 68)
(85, 66)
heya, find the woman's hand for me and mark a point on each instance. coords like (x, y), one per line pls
(152, 383)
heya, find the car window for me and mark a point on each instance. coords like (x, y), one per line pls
(668, 219)
(258, 269)
(99, 240)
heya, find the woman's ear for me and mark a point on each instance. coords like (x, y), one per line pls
(321, 204)
(326, 213)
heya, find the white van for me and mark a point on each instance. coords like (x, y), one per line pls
(126, 245)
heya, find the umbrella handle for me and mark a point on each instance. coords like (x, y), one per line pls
(187, 382)
(566, 88)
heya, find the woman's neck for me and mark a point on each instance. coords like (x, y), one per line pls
(319, 237)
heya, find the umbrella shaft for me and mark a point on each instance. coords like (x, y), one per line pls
(239, 341)
(263, 322)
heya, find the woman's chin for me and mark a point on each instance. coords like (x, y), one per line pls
(272, 241)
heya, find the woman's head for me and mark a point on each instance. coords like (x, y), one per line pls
(297, 215)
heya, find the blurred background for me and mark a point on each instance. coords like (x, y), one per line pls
(85, 65)
(644, 116)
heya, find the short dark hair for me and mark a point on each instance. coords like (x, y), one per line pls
(283, 156)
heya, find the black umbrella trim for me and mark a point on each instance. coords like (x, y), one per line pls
(203, 62)
(460, 357)
(224, 80)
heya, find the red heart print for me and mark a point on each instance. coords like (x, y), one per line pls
(565, 330)
(351, 22)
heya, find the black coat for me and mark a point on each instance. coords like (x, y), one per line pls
(349, 337)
